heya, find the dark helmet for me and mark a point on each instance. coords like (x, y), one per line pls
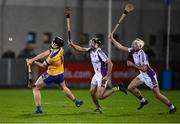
(57, 42)
(96, 40)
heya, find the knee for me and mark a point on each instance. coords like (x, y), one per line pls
(130, 88)
(157, 95)
(35, 88)
(92, 92)
(63, 87)
(100, 96)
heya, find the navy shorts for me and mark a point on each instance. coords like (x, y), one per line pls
(58, 79)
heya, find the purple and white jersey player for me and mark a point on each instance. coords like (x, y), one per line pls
(102, 67)
(140, 58)
(98, 59)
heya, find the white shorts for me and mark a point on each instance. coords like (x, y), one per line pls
(97, 80)
(147, 80)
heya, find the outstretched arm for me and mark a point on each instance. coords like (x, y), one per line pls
(117, 44)
(39, 56)
(77, 47)
(42, 65)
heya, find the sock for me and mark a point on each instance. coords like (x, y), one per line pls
(142, 99)
(139, 97)
(171, 106)
(75, 100)
(38, 108)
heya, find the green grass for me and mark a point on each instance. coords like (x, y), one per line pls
(18, 105)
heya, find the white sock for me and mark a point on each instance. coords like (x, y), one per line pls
(172, 106)
(143, 100)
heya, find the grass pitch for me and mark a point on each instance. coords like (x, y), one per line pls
(17, 105)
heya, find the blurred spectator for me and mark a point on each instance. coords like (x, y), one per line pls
(9, 54)
(27, 52)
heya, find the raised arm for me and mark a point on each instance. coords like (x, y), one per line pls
(117, 44)
(77, 47)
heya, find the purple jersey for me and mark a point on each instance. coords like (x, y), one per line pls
(140, 58)
(98, 59)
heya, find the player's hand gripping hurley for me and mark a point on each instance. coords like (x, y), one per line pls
(128, 8)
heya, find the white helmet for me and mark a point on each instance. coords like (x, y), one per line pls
(140, 43)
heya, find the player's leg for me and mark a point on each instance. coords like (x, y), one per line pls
(67, 92)
(163, 99)
(59, 80)
(135, 91)
(132, 87)
(121, 87)
(92, 91)
(37, 94)
(102, 93)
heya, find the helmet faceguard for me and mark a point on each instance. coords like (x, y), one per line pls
(57, 42)
(140, 43)
(137, 44)
(94, 41)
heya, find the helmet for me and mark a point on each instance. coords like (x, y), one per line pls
(139, 42)
(96, 40)
(57, 42)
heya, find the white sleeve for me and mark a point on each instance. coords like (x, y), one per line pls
(130, 49)
(102, 55)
